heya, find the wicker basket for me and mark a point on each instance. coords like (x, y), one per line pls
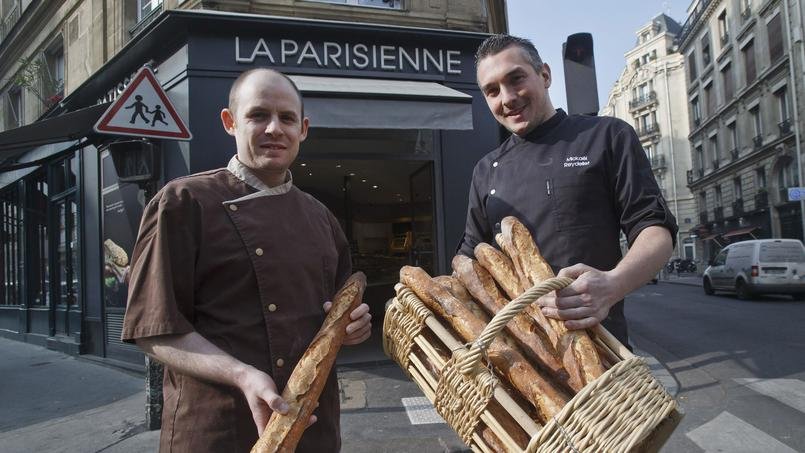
(624, 410)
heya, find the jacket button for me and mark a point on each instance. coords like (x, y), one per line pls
(494, 164)
(272, 307)
(258, 251)
(492, 192)
(233, 207)
(280, 362)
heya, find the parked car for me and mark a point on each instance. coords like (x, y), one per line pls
(761, 266)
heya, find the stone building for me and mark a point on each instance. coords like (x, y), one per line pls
(648, 95)
(744, 90)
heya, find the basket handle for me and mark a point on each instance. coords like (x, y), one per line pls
(467, 363)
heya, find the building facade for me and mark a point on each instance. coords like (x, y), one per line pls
(646, 95)
(744, 90)
(397, 124)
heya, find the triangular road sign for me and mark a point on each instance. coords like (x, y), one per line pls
(143, 110)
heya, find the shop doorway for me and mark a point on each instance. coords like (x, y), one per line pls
(380, 186)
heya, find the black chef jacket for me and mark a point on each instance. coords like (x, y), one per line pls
(576, 182)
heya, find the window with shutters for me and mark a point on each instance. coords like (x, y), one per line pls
(727, 82)
(749, 62)
(710, 99)
(692, 74)
(775, 33)
(706, 57)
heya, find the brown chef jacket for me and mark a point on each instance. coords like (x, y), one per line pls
(249, 270)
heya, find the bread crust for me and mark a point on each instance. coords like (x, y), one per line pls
(546, 397)
(283, 432)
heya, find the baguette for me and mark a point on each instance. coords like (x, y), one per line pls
(501, 267)
(576, 347)
(534, 387)
(307, 380)
(507, 246)
(528, 333)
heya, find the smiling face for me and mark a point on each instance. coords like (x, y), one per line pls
(516, 93)
(266, 121)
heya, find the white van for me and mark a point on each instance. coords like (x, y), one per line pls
(762, 266)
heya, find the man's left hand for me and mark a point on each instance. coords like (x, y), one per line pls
(586, 302)
(360, 327)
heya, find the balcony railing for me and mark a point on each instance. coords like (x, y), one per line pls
(761, 200)
(746, 14)
(657, 162)
(147, 19)
(738, 207)
(689, 174)
(10, 19)
(785, 127)
(718, 213)
(692, 20)
(757, 140)
(734, 154)
(702, 217)
(648, 130)
(724, 39)
(700, 172)
(697, 120)
(643, 101)
(715, 164)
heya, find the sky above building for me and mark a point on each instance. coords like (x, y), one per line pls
(613, 24)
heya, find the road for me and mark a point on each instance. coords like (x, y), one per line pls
(740, 366)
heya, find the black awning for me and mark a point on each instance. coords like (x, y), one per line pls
(70, 126)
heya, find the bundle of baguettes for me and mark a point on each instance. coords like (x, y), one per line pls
(283, 432)
(508, 379)
(546, 363)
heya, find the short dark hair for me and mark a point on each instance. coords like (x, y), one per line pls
(495, 44)
(233, 91)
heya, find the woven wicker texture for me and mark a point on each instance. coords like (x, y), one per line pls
(473, 359)
(612, 414)
(461, 398)
(401, 325)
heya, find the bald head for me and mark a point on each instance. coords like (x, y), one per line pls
(271, 76)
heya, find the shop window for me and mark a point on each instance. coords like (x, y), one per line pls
(11, 249)
(775, 34)
(750, 69)
(393, 4)
(64, 208)
(37, 240)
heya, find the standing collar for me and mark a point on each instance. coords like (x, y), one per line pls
(543, 128)
(245, 174)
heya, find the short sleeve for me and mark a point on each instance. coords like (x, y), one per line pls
(639, 200)
(161, 287)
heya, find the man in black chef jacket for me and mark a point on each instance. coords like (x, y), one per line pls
(575, 181)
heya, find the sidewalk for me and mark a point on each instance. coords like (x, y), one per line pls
(58, 403)
(684, 279)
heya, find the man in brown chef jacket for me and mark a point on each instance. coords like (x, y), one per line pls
(229, 279)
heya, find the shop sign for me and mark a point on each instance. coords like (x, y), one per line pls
(143, 110)
(347, 55)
